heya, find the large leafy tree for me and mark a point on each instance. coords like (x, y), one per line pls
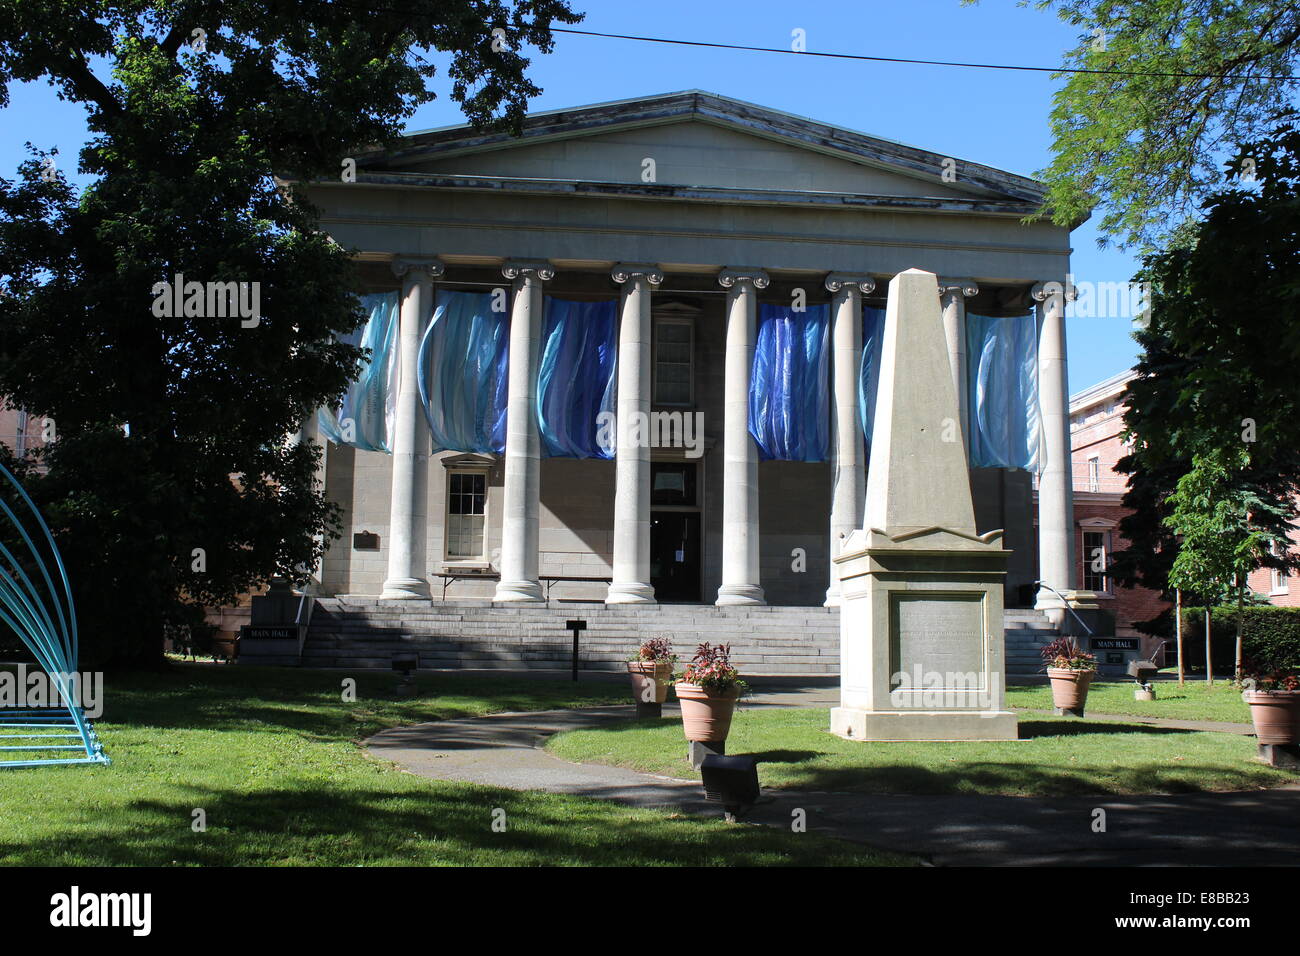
(1217, 372)
(1166, 90)
(170, 478)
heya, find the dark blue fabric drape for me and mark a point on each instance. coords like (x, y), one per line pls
(463, 363)
(576, 378)
(873, 329)
(789, 388)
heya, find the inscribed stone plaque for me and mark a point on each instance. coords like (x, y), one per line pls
(937, 633)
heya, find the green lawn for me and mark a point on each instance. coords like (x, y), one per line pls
(1193, 701)
(271, 756)
(1054, 757)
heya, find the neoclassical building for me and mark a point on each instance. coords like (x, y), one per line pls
(707, 271)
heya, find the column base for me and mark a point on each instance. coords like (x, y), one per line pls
(1051, 605)
(740, 594)
(405, 589)
(631, 592)
(852, 723)
(517, 592)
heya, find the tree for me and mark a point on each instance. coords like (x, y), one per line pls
(1223, 535)
(1218, 364)
(1176, 85)
(170, 479)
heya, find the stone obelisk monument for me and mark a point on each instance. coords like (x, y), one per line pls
(921, 632)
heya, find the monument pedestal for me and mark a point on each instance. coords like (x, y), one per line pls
(921, 630)
(921, 641)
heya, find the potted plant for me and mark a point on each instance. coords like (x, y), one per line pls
(651, 670)
(708, 691)
(1274, 699)
(1070, 670)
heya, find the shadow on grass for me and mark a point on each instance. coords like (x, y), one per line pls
(1069, 728)
(434, 823)
(785, 756)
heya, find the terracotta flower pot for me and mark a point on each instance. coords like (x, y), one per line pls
(1070, 688)
(706, 717)
(1276, 714)
(650, 680)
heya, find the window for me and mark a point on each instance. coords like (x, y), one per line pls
(1096, 553)
(1094, 473)
(1278, 580)
(673, 365)
(466, 507)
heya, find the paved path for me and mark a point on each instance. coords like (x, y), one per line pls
(1250, 828)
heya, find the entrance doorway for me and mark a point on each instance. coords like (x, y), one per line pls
(675, 531)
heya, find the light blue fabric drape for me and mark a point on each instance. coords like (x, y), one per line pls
(364, 416)
(576, 378)
(464, 358)
(789, 386)
(1002, 388)
(873, 329)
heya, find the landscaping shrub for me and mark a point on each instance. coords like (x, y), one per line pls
(1270, 636)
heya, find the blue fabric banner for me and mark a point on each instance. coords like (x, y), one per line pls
(463, 373)
(364, 416)
(576, 378)
(873, 330)
(1002, 389)
(789, 387)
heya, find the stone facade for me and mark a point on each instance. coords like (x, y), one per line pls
(695, 208)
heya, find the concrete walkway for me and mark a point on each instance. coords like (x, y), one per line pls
(1249, 828)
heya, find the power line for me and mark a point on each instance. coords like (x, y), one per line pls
(916, 62)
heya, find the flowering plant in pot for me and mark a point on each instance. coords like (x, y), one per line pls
(1070, 669)
(708, 691)
(1273, 693)
(651, 668)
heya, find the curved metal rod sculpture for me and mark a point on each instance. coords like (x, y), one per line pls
(52, 639)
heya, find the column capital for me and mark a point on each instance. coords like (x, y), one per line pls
(537, 268)
(835, 281)
(965, 287)
(431, 266)
(634, 270)
(1054, 288)
(731, 275)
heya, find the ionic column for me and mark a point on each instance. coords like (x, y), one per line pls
(1055, 492)
(631, 572)
(408, 506)
(309, 433)
(848, 457)
(522, 491)
(953, 294)
(740, 573)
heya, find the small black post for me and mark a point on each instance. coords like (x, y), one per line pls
(576, 627)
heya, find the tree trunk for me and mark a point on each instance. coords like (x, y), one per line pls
(1209, 656)
(1178, 631)
(1241, 595)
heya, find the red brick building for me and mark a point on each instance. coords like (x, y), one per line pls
(1096, 421)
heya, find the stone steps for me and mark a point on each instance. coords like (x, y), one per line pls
(361, 632)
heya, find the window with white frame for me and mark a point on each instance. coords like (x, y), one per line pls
(674, 348)
(1094, 473)
(1096, 554)
(466, 514)
(1279, 581)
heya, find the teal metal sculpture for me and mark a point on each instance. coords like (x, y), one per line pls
(45, 620)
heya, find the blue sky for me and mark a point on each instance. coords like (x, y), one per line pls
(999, 118)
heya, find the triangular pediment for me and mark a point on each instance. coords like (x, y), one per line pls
(701, 141)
